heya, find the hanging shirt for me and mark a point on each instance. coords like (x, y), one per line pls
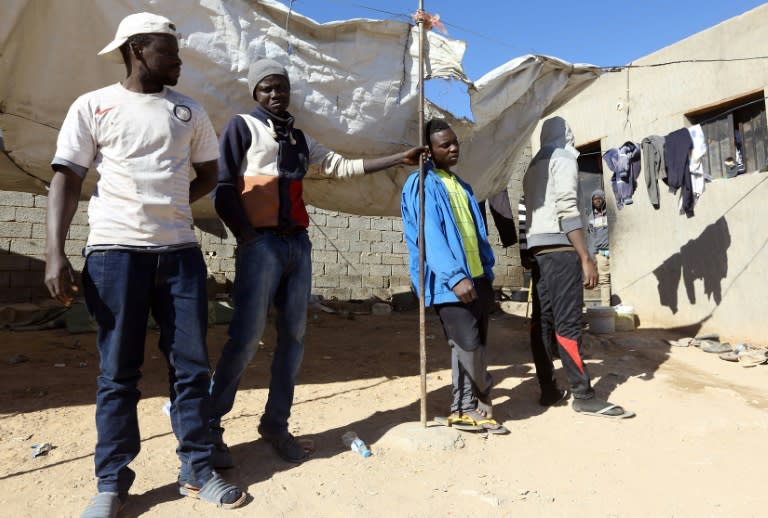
(677, 155)
(698, 175)
(464, 221)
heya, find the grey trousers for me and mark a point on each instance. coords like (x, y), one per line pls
(466, 328)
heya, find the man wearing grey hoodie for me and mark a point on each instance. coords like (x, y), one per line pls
(564, 268)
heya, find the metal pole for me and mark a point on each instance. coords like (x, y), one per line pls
(422, 311)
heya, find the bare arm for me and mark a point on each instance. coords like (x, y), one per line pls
(207, 176)
(63, 198)
(576, 237)
(409, 157)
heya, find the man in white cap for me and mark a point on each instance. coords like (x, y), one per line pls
(141, 256)
(259, 197)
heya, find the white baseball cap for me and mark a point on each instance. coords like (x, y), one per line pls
(138, 23)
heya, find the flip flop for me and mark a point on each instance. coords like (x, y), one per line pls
(711, 346)
(486, 420)
(456, 421)
(730, 356)
(604, 410)
(752, 357)
(472, 421)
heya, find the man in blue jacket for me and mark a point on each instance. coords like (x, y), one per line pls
(458, 274)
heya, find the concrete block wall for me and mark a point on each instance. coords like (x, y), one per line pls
(353, 257)
(22, 245)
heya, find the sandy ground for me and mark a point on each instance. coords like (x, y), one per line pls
(697, 447)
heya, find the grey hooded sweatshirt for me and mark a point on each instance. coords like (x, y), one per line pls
(550, 185)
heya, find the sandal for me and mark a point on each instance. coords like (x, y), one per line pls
(488, 423)
(600, 408)
(216, 491)
(460, 422)
(104, 505)
(472, 421)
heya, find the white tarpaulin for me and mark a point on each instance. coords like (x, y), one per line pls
(354, 87)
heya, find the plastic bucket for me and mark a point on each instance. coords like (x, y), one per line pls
(601, 319)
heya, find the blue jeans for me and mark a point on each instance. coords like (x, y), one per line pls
(121, 288)
(272, 268)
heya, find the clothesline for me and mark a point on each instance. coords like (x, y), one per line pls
(705, 121)
(609, 69)
(619, 68)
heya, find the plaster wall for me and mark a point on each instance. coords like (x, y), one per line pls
(708, 271)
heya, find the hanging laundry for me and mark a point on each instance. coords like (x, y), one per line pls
(625, 164)
(677, 153)
(652, 148)
(699, 177)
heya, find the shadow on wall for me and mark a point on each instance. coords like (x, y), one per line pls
(705, 258)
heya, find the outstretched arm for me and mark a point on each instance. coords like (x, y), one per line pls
(409, 157)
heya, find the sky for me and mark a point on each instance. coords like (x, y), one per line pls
(599, 32)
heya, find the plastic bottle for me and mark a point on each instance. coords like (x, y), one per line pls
(355, 443)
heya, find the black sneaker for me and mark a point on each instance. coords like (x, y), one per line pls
(286, 446)
(553, 396)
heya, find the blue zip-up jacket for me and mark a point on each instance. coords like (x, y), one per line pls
(445, 261)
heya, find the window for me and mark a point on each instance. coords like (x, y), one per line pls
(737, 136)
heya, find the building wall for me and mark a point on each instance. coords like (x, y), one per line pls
(708, 271)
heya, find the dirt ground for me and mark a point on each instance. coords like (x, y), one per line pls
(697, 447)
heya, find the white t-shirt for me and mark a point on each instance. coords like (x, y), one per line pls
(143, 147)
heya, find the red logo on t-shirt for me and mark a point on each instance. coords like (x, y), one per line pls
(102, 111)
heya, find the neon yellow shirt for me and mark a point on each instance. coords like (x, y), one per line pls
(464, 220)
